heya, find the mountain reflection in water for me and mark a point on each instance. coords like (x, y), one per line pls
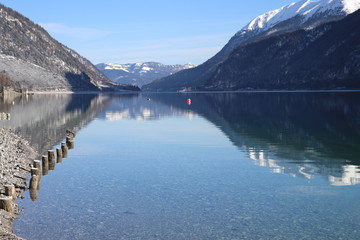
(43, 119)
(301, 134)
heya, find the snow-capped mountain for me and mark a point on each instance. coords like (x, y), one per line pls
(139, 73)
(303, 14)
(323, 58)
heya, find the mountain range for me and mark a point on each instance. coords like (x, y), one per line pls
(139, 73)
(31, 59)
(305, 16)
(324, 58)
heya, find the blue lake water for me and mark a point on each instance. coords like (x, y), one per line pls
(228, 166)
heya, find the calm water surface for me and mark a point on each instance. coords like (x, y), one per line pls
(228, 166)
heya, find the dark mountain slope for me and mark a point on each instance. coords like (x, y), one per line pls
(303, 14)
(327, 57)
(35, 61)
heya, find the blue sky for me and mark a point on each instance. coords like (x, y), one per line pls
(166, 31)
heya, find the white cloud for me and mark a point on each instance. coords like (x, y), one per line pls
(60, 31)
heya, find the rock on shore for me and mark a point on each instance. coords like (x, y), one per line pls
(16, 157)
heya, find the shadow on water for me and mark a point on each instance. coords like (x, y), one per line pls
(302, 134)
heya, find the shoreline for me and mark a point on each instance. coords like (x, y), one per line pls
(186, 92)
(16, 158)
(258, 91)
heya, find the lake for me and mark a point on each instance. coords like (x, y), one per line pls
(220, 166)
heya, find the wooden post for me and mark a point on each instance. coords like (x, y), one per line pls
(34, 195)
(6, 203)
(34, 182)
(64, 150)
(59, 155)
(36, 171)
(37, 164)
(45, 165)
(51, 156)
(71, 144)
(10, 191)
(70, 134)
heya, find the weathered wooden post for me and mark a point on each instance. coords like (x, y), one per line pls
(34, 195)
(10, 191)
(51, 156)
(59, 155)
(64, 150)
(37, 164)
(36, 172)
(6, 203)
(45, 165)
(71, 144)
(34, 182)
(70, 134)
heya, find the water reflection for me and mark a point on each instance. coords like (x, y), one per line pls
(200, 186)
(141, 108)
(300, 134)
(43, 119)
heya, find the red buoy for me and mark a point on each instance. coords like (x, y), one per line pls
(189, 101)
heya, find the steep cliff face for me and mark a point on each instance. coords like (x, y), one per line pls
(327, 57)
(303, 14)
(36, 61)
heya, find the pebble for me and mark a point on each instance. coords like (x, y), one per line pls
(15, 157)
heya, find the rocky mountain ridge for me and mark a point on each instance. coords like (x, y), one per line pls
(37, 62)
(139, 73)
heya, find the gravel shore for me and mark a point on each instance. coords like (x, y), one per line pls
(16, 158)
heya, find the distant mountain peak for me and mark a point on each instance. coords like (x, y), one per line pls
(140, 73)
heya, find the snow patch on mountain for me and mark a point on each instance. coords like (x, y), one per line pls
(305, 9)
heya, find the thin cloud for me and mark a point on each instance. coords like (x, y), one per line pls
(200, 41)
(195, 55)
(195, 49)
(74, 32)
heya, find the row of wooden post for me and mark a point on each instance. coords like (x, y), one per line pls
(4, 116)
(48, 162)
(39, 169)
